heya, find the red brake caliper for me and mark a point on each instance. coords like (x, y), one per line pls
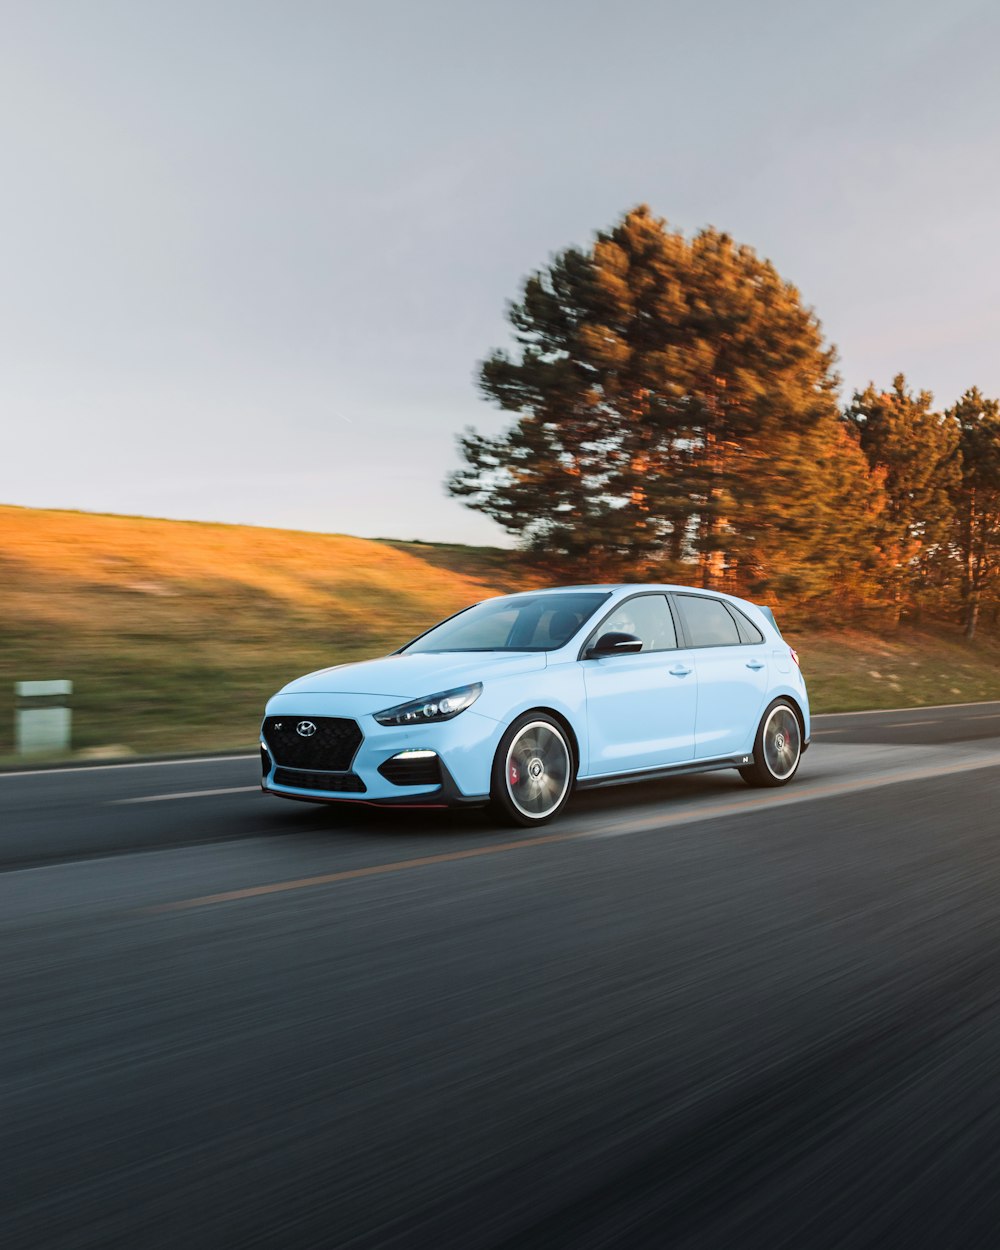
(515, 776)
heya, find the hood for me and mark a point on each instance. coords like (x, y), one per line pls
(409, 676)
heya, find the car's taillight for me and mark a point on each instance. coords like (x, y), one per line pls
(795, 655)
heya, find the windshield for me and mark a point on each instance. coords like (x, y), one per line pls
(517, 623)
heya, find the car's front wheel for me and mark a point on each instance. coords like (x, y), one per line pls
(532, 770)
(777, 748)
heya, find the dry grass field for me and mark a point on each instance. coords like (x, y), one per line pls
(174, 633)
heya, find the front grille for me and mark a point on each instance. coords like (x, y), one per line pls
(344, 783)
(424, 771)
(331, 748)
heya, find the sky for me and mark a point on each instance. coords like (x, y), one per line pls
(251, 253)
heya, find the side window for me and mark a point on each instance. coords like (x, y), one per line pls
(707, 622)
(647, 617)
(749, 633)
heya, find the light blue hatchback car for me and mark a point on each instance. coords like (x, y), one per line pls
(518, 700)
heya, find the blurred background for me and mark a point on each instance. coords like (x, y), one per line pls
(321, 320)
(258, 262)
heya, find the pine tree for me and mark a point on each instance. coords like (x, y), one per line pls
(675, 411)
(912, 448)
(816, 512)
(976, 498)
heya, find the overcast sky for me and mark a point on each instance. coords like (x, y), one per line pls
(250, 253)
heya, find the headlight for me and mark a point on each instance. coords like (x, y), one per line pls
(435, 707)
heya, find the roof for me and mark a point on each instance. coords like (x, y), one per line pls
(609, 587)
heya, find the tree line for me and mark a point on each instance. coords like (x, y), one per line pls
(677, 418)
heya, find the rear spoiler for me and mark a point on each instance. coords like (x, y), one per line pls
(770, 616)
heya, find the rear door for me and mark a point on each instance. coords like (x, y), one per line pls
(731, 659)
(641, 707)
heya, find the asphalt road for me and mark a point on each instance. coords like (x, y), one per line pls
(688, 1014)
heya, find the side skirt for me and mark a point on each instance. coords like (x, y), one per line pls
(669, 770)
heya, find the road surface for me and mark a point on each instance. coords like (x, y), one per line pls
(687, 1015)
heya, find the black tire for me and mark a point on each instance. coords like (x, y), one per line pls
(533, 771)
(777, 748)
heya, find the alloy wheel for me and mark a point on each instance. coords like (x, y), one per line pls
(782, 742)
(537, 770)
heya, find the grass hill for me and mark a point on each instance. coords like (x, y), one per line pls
(174, 632)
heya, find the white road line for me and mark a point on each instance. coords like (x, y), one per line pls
(99, 768)
(901, 724)
(224, 759)
(809, 792)
(925, 707)
(187, 794)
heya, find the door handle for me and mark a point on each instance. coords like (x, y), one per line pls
(679, 671)
(754, 664)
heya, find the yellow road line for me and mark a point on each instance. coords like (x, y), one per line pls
(643, 824)
(352, 874)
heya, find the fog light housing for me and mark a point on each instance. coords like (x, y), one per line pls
(412, 768)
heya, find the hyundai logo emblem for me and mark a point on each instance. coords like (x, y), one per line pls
(305, 729)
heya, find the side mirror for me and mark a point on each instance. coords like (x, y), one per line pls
(615, 644)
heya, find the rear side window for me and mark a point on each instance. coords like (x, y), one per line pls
(707, 622)
(749, 632)
(646, 617)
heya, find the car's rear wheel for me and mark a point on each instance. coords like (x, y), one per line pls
(777, 749)
(532, 770)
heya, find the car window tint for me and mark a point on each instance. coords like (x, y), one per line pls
(484, 632)
(542, 622)
(647, 617)
(554, 627)
(706, 622)
(749, 633)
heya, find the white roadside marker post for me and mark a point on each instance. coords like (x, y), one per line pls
(43, 716)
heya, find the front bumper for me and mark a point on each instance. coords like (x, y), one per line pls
(442, 796)
(464, 748)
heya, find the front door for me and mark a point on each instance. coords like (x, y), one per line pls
(640, 707)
